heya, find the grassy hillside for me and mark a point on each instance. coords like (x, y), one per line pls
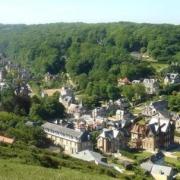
(13, 171)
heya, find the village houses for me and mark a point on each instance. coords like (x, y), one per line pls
(151, 86)
(111, 140)
(157, 134)
(172, 78)
(155, 107)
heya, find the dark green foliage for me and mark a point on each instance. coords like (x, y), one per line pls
(168, 90)
(48, 161)
(47, 108)
(174, 103)
(14, 103)
(90, 101)
(91, 53)
(13, 126)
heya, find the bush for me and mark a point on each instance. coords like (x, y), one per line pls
(48, 162)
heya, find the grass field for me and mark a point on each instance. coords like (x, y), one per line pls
(142, 155)
(15, 171)
(177, 154)
(136, 156)
(159, 66)
(173, 162)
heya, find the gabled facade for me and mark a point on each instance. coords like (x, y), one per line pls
(172, 78)
(158, 134)
(176, 119)
(155, 108)
(124, 117)
(111, 140)
(151, 86)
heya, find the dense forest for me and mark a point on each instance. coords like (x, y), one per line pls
(95, 55)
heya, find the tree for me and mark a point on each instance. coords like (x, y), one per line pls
(128, 92)
(113, 92)
(127, 70)
(139, 91)
(48, 108)
(174, 103)
(90, 101)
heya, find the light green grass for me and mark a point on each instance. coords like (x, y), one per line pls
(172, 161)
(15, 171)
(35, 88)
(142, 155)
(159, 66)
(176, 154)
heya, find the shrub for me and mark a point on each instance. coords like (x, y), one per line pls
(48, 162)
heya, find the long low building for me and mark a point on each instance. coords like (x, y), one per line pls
(70, 140)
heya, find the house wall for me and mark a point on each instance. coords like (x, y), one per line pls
(107, 146)
(149, 144)
(178, 125)
(166, 81)
(177, 139)
(104, 145)
(68, 145)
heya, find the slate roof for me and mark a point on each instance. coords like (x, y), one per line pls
(147, 166)
(172, 76)
(154, 124)
(67, 132)
(67, 98)
(157, 156)
(124, 132)
(160, 105)
(29, 123)
(88, 155)
(110, 134)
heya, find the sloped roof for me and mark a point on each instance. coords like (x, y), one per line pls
(160, 105)
(108, 133)
(88, 155)
(154, 124)
(65, 131)
(163, 170)
(147, 166)
(172, 76)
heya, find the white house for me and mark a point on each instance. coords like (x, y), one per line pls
(172, 78)
(151, 86)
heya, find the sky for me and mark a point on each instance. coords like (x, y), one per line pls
(89, 11)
